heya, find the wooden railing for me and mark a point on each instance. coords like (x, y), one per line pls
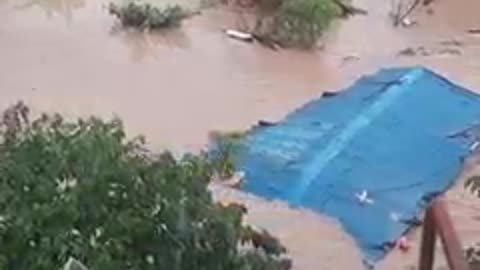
(438, 222)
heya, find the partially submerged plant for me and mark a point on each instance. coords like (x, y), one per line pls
(290, 23)
(472, 184)
(473, 252)
(298, 23)
(82, 190)
(473, 256)
(147, 16)
(225, 147)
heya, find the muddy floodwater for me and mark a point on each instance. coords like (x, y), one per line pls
(177, 86)
(65, 55)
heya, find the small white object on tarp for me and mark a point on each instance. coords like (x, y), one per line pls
(363, 197)
(73, 264)
(474, 146)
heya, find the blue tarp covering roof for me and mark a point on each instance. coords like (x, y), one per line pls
(371, 157)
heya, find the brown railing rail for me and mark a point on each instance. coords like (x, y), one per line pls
(438, 222)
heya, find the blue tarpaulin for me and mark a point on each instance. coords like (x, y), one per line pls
(371, 157)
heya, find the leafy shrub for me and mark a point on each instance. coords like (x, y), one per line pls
(82, 190)
(147, 16)
(298, 23)
(473, 256)
(473, 185)
(73, 264)
(473, 252)
(225, 147)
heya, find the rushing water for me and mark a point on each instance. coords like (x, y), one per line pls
(176, 86)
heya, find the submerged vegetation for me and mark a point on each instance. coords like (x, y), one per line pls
(225, 148)
(297, 23)
(294, 23)
(279, 23)
(81, 191)
(147, 16)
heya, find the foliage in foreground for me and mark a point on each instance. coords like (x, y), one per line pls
(473, 256)
(473, 252)
(147, 16)
(81, 190)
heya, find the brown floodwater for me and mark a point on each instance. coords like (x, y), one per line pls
(177, 86)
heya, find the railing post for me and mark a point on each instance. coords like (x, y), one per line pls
(437, 220)
(427, 252)
(450, 242)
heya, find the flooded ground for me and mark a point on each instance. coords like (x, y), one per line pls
(64, 55)
(176, 87)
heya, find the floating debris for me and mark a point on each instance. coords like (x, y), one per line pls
(239, 35)
(350, 58)
(449, 51)
(363, 197)
(407, 22)
(474, 31)
(474, 146)
(329, 94)
(266, 123)
(452, 42)
(400, 13)
(410, 51)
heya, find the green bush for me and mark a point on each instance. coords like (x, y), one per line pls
(225, 148)
(82, 190)
(298, 23)
(472, 184)
(472, 253)
(147, 16)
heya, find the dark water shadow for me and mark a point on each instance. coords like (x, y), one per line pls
(51, 8)
(146, 44)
